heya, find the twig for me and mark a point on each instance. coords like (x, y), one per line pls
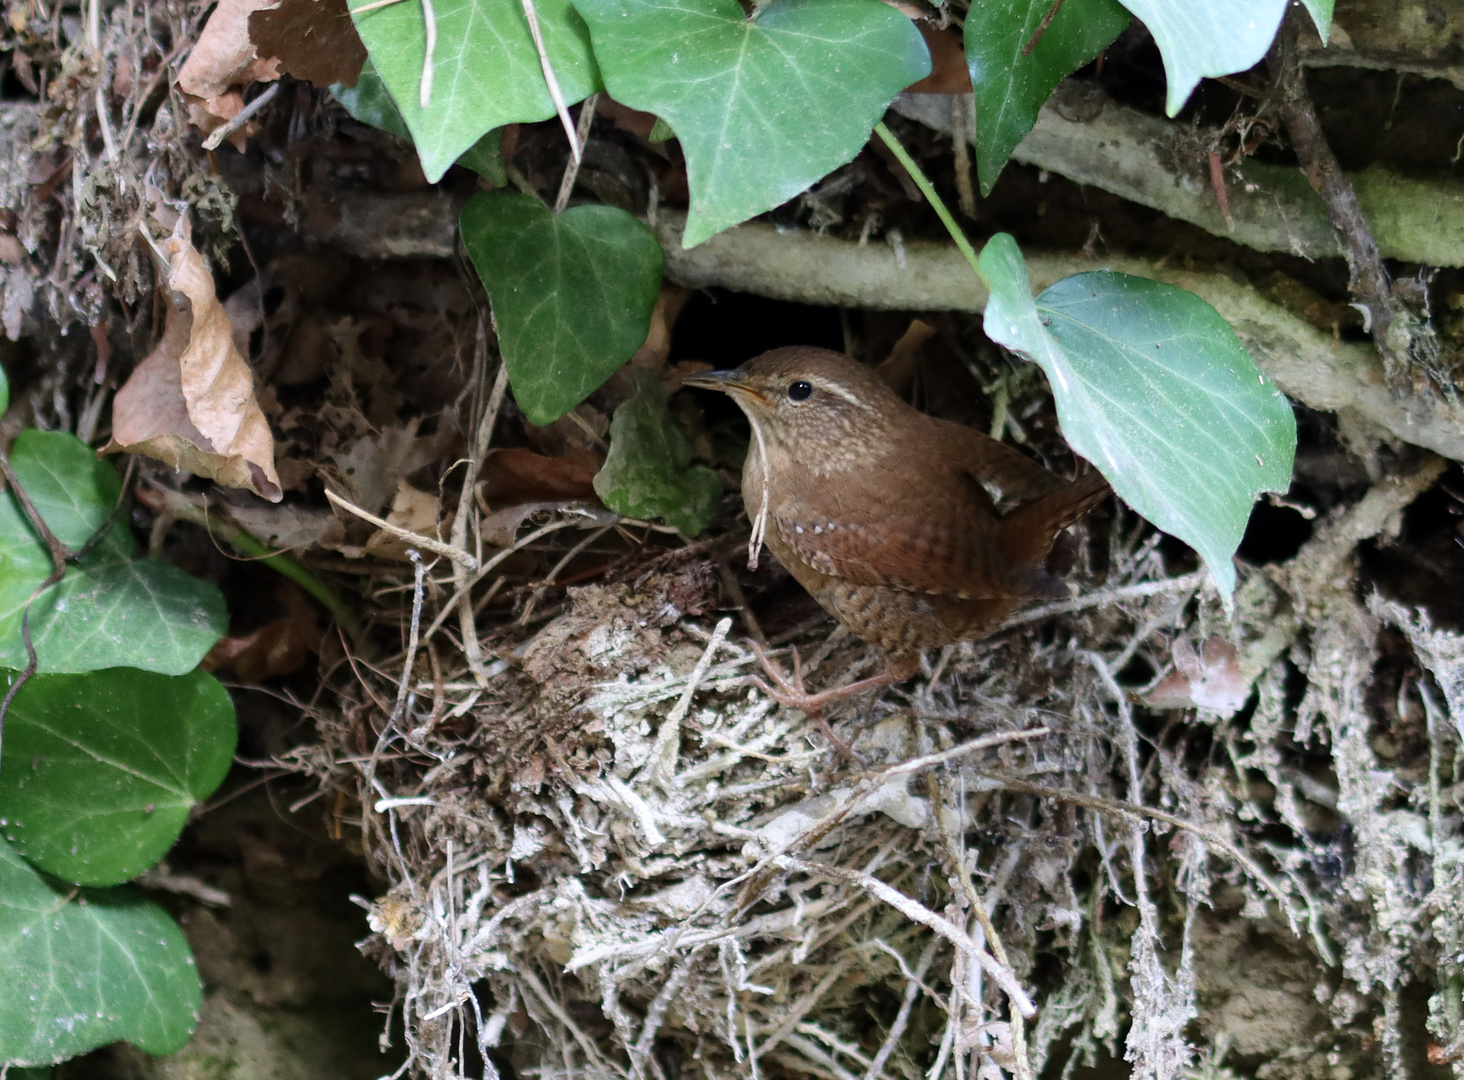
(467, 625)
(902, 1018)
(437, 547)
(488, 566)
(181, 507)
(139, 98)
(240, 118)
(802, 1007)
(550, 81)
(1142, 591)
(571, 171)
(1367, 277)
(753, 880)
(414, 635)
(1036, 37)
(666, 749)
(1119, 808)
(965, 190)
(656, 1013)
(557, 569)
(60, 554)
(917, 912)
(974, 901)
(592, 1052)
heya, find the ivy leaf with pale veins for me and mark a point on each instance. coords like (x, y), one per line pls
(485, 70)
(369, 101)
(1321, 14)
(87, 967)
(1155, 389)
(648, 472)
(1208, 38)
(763, 106)
(572, 294)
(109, 610)
(101, 770)
(1010, 87)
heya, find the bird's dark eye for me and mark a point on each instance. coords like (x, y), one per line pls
(800, 390)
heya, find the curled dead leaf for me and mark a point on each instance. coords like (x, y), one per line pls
(652, 355)
(898, 369)
(190, 404)
(222, 63)
(948, 71)
(1211, 680)
(412, 510)
(279, 647)
(518, 475)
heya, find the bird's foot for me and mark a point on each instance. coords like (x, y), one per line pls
(790, 692)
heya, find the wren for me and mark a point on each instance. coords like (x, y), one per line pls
(893, 520)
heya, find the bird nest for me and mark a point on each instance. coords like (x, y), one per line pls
(611, 855)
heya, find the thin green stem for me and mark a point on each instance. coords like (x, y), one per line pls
(928, 190)
(247, 545)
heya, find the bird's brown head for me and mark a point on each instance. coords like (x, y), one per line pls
(811, 405)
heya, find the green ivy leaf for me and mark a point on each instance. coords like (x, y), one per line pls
(1215, 37)
(4, 392)
(109, 611)
(572, 295)
(86, 968)
(648, 471)
(1321, 13)
(100, 771)
(764, 106)
(370, 103)
(1154, 388)
(1010, 88)
(486, 69)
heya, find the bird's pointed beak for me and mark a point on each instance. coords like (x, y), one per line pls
(715, 380)
(733, 381)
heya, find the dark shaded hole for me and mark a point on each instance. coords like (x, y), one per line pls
(726, 328)
(1274, 534)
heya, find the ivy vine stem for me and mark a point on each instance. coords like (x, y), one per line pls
(937, 203)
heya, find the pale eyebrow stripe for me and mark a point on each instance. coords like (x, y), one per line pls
(839, 391)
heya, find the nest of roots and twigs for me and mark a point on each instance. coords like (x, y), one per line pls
(611, 855)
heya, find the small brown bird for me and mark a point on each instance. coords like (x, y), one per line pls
(889, 517)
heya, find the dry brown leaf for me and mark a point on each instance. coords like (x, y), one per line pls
(499, 528)
(518, 475)
(312, 39)
(948, 71)
(652, 354)
(369, 470)
(1211, 681)
(625, 118)
(898, 369)
(191, 403)
(222, 63)
(413, 510)
(276, 648)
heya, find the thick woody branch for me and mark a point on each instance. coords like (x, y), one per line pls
(1085, 136)
(1311, 367)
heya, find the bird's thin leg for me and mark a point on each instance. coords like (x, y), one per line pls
(790, 692)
